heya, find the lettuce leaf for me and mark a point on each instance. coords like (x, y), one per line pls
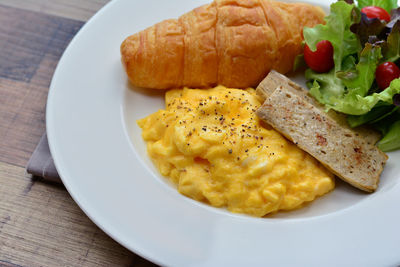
(394, 18)
(364, 75)
(337, 31)
(392, 48)
(388, 5)
(355, 104)
(325, 86)
(368, 28)
(391, 140)
(378, 113)
(346, 91)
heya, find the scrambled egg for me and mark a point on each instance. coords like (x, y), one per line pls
(212, 145)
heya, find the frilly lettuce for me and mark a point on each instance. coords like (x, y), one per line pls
(337, 31)
(345, 88)
(392, 47)
(391, 140)
(355, 104)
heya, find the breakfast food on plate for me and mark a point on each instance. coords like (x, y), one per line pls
(212, 145)
(222, 146)
(230, 42)
(348, 154)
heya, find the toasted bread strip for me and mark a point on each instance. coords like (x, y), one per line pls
(275, 79)
(344, 152)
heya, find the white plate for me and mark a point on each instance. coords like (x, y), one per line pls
(101, 158)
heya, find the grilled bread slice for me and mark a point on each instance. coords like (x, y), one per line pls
(275, 79)
(346, 153)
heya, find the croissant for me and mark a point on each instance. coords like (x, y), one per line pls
(234, 43)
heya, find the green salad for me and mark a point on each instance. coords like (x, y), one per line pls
(352, 65)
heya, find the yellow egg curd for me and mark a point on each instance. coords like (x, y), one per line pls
(212, 145)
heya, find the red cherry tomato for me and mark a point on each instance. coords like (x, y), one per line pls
(385, 73)
(376, 12)
(322, 59)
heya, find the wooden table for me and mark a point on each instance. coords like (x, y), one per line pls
(40, 225)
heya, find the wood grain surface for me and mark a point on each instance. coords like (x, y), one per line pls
(40, 225)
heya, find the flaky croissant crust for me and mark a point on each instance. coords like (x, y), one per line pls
(230, 42)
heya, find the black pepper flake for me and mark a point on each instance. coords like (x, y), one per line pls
(230, 151)
(246, 150)
(204, 129)
(238, 158)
